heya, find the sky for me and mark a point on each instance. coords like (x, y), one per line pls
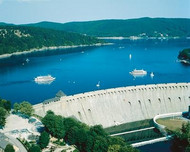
(32, 11)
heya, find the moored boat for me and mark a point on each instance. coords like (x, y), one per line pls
(138, 72)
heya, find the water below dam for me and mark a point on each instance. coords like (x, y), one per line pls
(81, 69)
(157, 147)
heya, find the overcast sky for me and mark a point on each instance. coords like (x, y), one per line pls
(31, 11)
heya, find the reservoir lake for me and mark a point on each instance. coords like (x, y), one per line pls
(79, 70)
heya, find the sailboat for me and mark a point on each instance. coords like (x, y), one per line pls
(152, 74)
(130, 56)
(27, 60)
(98, 84)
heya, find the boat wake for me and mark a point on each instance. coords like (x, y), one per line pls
(15, 82)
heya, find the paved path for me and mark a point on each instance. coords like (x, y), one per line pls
(128, 132)
(16, 143)
(150, 141)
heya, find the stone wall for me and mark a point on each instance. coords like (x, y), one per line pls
(121, 105)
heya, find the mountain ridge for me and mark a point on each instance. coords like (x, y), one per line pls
(141, 27)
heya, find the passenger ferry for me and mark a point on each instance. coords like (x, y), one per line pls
(138, 72)
(43, 79)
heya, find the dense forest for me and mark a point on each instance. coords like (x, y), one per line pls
(143, 27)
(86, 138)
(20, 38)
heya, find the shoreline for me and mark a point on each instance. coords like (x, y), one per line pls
(140, 38)
(184, 61)
(50, 48)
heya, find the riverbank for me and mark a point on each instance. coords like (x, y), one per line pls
(51, 48)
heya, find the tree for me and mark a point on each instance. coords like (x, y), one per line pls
(70, 122)
(24, 107)
(16, 107)
(2, 116)
(128, 148)
(114, 148)
(101, 144)
(54, 125)
(34, 148)
(116, 141)
(5, 104)
(71, 135)
(181, 142)
(98, 130)
(87, 139)
(50, 112)
(44, 140)
(9, 148)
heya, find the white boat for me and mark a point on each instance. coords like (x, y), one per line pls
(152, 74)
(44, 79)
(27, 60)
(98, 84)
(138, 72)
(130, 56)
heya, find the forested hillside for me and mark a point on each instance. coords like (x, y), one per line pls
(22, 38)
(143, 27)
(184, 56)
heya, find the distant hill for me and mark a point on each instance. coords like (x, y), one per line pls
(2, 23)
(143, 27)
(24, 38)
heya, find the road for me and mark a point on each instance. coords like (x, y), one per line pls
(16, 143)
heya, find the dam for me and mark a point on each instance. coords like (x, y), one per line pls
(117, 106)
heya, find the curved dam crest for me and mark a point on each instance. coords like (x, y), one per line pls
(121, 105)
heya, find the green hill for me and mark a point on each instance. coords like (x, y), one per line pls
(143, 27)
(3, 23)
(22, 38)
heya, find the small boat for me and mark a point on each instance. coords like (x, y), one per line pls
(138, 72)
(130, 56)
(27, 60)
(98, 84)
(44, 79)
(152, 74)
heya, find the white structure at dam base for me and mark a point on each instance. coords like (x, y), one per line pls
(121, 105)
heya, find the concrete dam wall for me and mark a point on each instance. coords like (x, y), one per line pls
(121, 105)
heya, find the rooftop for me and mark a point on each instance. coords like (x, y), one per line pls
(57, 97)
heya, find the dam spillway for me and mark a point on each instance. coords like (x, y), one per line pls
(121, 105)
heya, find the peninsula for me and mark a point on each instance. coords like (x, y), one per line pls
(20, 39)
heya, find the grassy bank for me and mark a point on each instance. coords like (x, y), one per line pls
(141, 136)
(130, 126)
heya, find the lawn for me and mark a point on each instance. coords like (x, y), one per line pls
(171, 123)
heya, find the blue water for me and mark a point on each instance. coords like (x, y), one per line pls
(78, 72)
(157, 147)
